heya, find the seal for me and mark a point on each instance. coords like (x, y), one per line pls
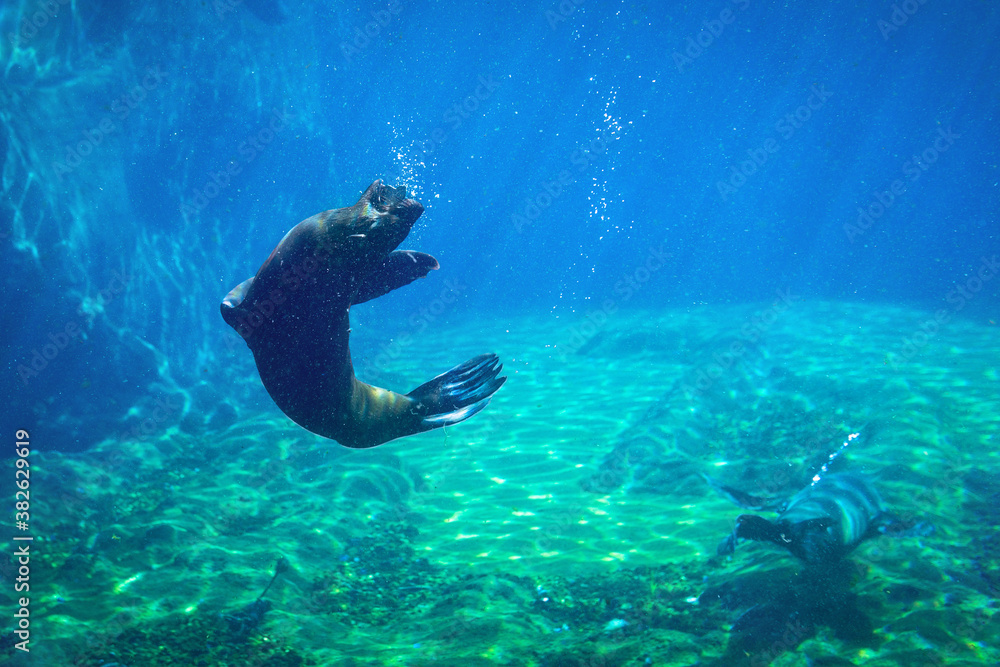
(821, 523)
(294, 316)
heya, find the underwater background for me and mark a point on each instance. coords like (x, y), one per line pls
(619, 194)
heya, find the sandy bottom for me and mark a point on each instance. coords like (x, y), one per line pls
(569, 524)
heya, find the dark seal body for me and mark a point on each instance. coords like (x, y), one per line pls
(294, 316)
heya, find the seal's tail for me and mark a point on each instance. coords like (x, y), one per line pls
(456, 395)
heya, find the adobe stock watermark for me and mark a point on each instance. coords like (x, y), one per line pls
(562, 12)
(948, 478)
(223, 7)
(957, 297)
(912, 169)
(711, 30)
(549, 191)
(795, 633)
(786, 127)
(34, 22)
(899, 17)
(630, 284)
(248, 150)
(418, 322)
(59, 340)
(455, 116)
(751, 332)
(975, 628)
(164, 408)
(121, 107)
(363, 35)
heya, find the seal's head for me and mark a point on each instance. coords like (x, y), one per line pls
(381, 219)
(358, 238)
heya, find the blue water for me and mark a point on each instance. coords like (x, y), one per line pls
(644, 111)
(571, 157)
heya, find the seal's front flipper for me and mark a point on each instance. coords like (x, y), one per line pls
(759, 529)
(727, 547)
(809, 540)
(231, 304)
(458, 394)
(400, 268)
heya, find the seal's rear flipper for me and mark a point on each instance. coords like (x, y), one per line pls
(743, 499)
(458, 394)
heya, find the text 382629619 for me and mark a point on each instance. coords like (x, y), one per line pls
(22, 555)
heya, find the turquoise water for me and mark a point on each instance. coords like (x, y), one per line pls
(479, 544)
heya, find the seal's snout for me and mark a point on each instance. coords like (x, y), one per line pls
(408, 210)
(393, 201)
